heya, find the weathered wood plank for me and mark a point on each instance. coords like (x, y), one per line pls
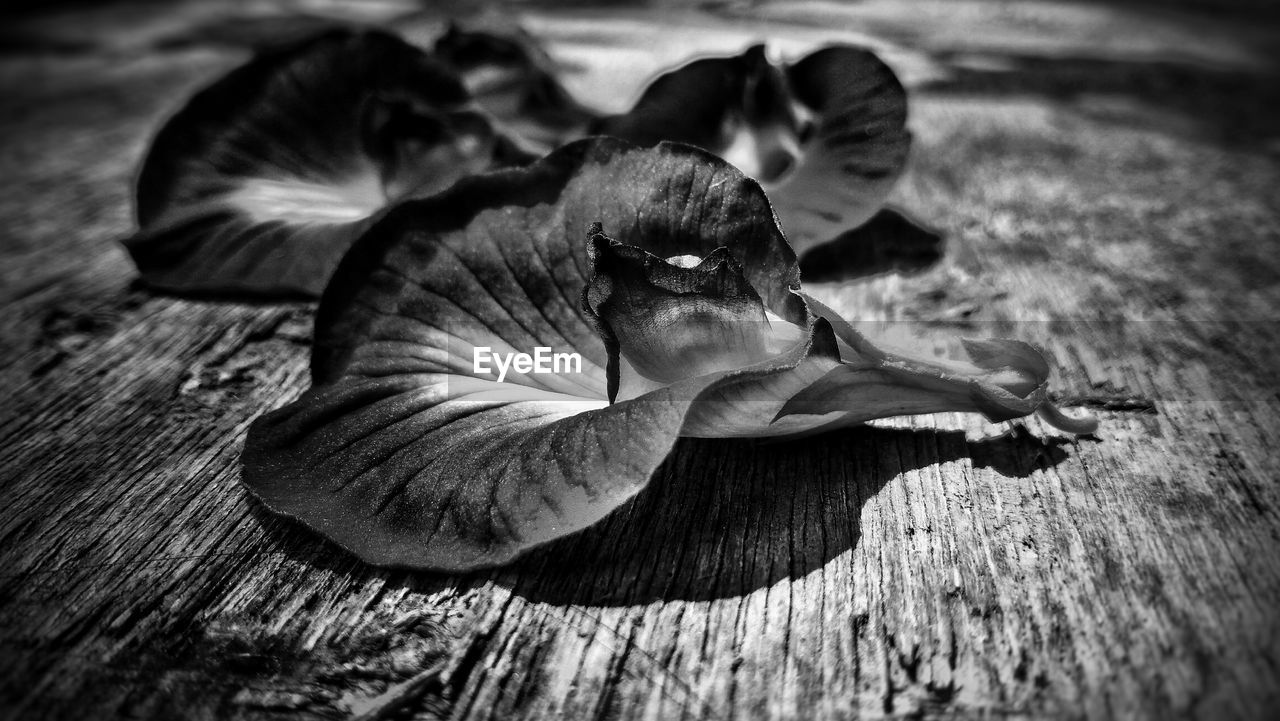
(935, 566)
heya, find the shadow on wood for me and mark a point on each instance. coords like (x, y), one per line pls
(720, 519)
(724, 518)
(889, 242)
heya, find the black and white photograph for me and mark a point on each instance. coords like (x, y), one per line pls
(776, 360)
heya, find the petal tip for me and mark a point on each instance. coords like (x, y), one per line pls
(1084, 425)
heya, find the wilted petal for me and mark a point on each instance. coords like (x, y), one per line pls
(739, 108)
(857, 149)
(265, 178)
(406, 455)
(889, 242)
(826, 135)
(514, 79)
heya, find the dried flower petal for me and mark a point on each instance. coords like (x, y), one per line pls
(261, 183)
(513, 79)
(826, 136)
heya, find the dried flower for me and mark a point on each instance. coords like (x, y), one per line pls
(690, 322)
(260, 184)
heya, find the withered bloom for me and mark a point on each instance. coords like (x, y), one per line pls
(514, 79)
(689, 321)
(826, 136)
(260, 184)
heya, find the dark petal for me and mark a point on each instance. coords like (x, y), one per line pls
(398, 473)
(690, 104)
(857, 150)
(670, 200)
(737, 107)
(514, 79)
(406, 455)
(890, 242)
(261, 183)
(826, 135)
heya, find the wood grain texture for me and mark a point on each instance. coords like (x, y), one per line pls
(930, 567)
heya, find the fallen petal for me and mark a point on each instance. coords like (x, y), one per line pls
(826, 135)
(514, 79)
(260, 184)
(408, 452)
(406, 455)
(857, 150)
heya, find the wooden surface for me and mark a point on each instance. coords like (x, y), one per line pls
(931, 567)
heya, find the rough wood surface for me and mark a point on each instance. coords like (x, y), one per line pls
(929, 567)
